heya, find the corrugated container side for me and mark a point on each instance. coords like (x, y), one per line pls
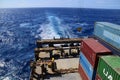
(87, 67)
(109, 69)
(92, 49)
(108, 32)
(98, 77)
(82, 73)
(113, 49)
(88, 53)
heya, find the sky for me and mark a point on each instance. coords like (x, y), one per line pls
(108, 4)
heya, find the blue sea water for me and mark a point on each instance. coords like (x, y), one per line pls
(20, 28)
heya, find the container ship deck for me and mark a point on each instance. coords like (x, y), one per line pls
(79, 58)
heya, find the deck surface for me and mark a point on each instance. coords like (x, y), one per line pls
(70, 76)
(67, 63)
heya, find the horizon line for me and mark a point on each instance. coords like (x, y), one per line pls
(57, 7)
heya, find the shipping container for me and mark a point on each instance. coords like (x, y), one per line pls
(108, 32)
(109, 67)
(82, 73)
(91, 48)
(98, 77)
(87, 67)
(113, 49)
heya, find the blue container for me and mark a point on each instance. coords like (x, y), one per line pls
(87, 67)
(108, 32)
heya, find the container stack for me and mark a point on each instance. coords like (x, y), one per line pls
(91, 49)
(109, 34)
(108, 68)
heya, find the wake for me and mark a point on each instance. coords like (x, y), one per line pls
(54, 29)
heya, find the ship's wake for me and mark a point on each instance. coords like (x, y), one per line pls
(54, 29)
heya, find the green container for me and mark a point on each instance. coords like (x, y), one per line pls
(109, 67)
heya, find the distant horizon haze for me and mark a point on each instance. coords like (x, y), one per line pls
(101, 4)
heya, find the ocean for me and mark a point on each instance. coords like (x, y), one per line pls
(20, 28)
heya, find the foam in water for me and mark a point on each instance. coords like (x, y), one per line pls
(24, 24)
(7, 78)
(2, 64)
(53, 29)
